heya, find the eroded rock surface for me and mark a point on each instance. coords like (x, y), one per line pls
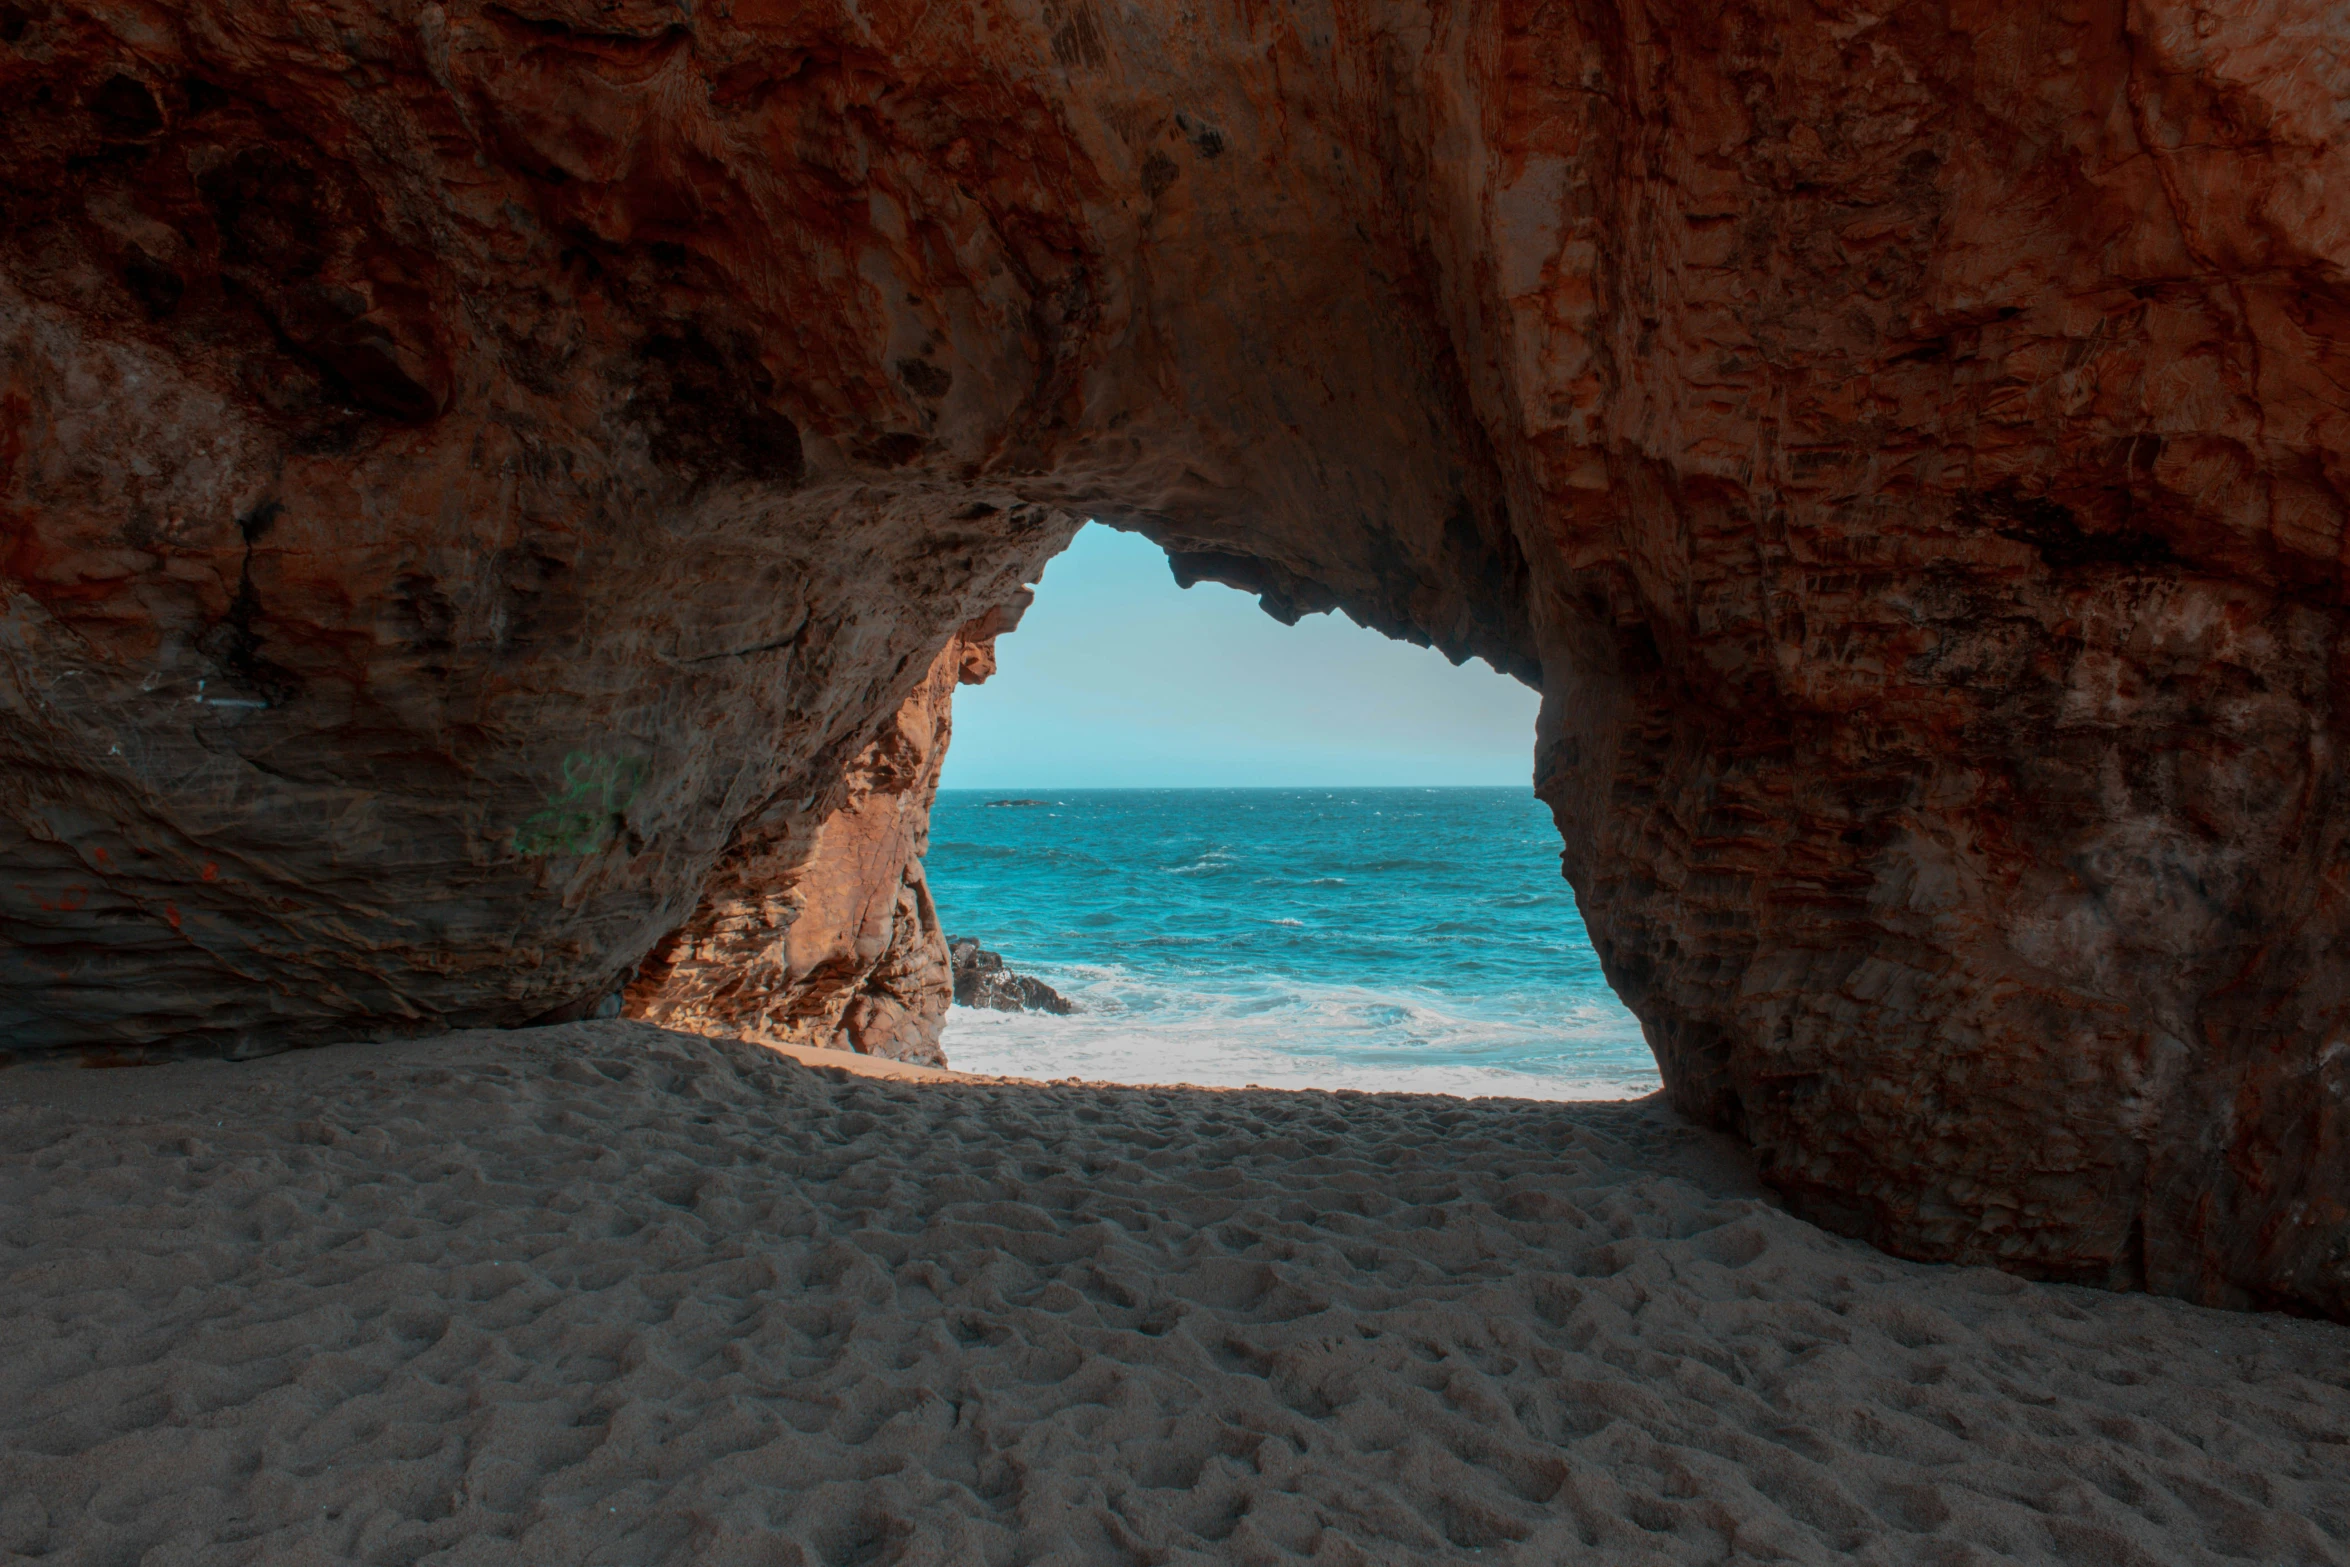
(830, 938)
(469, 470)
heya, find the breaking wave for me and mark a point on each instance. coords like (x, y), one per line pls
(1400, 940)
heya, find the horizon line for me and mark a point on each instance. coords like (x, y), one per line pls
(1160, 788)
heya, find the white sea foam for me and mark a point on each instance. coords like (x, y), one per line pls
(1214, 860)
(1133, 1030)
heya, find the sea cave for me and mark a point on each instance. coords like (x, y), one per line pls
(496, 499)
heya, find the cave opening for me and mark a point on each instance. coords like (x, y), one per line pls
(1254, 853)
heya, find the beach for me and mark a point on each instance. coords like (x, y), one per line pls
(601, 1293)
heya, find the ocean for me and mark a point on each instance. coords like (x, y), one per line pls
(1416, 940)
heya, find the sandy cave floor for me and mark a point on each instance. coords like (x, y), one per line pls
(605, 1294)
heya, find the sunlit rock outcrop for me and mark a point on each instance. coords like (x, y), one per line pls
(822, 931)
(472, 474)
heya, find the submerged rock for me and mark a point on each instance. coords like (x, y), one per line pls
(981, 980)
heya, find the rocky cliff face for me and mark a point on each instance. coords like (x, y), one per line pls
(472, 474)
(822, 932)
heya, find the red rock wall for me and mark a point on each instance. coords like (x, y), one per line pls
(461, 466)
(830, 938)
(1965, 812)
(415, 577)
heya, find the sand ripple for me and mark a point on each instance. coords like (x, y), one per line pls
(602, 1294)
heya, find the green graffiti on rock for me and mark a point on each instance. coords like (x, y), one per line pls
(584, 815)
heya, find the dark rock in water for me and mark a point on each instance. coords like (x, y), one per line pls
(993, 803)
(981, 980)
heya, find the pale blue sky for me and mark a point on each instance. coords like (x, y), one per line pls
(1117, 678)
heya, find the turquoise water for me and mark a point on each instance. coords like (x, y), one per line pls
(1416, 939)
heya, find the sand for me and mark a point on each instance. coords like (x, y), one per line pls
(603, 1294)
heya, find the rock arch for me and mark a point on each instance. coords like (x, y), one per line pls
(473, 473)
